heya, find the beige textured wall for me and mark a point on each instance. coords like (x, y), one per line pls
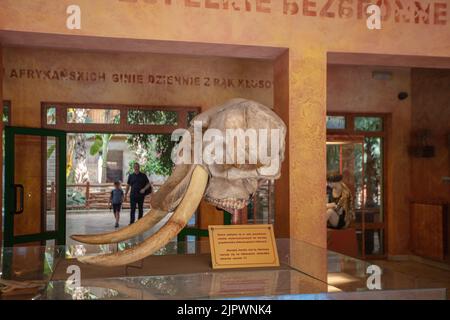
(352, 89)
(26, 87)
(27, 93)
(307, 152)
(281, 26)
(308, 32)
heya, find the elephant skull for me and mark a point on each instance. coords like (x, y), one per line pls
(222, 157)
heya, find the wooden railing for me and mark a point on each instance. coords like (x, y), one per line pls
(96, 196)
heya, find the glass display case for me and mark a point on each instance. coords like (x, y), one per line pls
(183, 271)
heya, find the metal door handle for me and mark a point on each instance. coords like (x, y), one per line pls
(22, 198)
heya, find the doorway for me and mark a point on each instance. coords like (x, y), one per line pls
(103, 143)
(356, 150)
(27, 168)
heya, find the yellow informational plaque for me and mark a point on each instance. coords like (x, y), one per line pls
(243, 246)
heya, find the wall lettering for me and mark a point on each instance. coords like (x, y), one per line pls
(424, 12)
(138, 78)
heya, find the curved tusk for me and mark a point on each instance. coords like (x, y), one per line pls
(163, 201)
(176, 223)
(149, 220)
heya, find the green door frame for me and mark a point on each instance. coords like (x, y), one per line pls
(10, 206)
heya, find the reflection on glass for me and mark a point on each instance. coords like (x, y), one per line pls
(78, 250)
(373, 243)
(174, 282)
(368, 124)
(5, 119)
(345, 158)
(335, 122)
(93, 116)
(89, 293)
(191, 244)
(361, 165)
(262, 210)
(51, 188)
(6, 113)
(152, 117)
(193, 221)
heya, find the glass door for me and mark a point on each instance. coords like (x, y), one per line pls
(35, 183)
(356, 148)
(359, 160)
(345, 156)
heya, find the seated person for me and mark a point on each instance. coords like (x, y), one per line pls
(340, 211)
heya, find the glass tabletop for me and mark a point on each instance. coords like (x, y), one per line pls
(182, 270)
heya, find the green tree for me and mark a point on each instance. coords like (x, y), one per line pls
(153, 152)
(373, 162)
(101, 143)
(80, 170)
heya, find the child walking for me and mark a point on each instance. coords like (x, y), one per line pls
(116, 200)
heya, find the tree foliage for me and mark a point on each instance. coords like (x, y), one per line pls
(153, 151)
(100, 145)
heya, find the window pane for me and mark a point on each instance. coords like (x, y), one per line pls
(93, 116)
(51, 202)
(191, 115)
(5, 113)
(333, 158)
(368, 124)
(51, 115)
(151, 117)
(335, 122)
(359, 239)
(373, 179)
(190, 241)
(346, 158)
(193, 222)
(374, 242)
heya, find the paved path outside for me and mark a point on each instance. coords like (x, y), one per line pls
(95, 222)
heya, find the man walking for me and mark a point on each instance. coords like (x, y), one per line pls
(140, 187)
